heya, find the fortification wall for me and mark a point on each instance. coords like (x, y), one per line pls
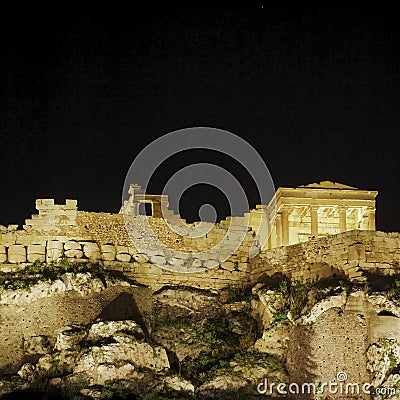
(348, 254)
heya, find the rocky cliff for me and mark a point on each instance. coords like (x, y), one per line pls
(79, 331)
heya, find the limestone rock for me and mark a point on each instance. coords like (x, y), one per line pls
(84, 284)
(274, 341)
(268, 304)
(72, 245)
(26, 371)
(91, 250)
(380, 357)
(381, 303)
(223, 383)
(323, 306)
(37, 345)
(123, 257)
(159, 260)
(16, 254)
(179, 384)
(73, 253)
(108, 252)
(141, 258)
(109, 328)
(69, 338)
(55, 250)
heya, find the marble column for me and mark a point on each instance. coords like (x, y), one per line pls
(371, 218)
(278, 229)
(314, 220)
(285, 225)
(269, 216)
(342, 219)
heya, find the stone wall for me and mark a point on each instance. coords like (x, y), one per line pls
(348, 254)
(52, 216)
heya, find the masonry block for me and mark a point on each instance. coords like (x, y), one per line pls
(72, 245)
(73, 253)
(92, 251)
(54, 250)
(123, 257)
(16, 254)
(108, 252)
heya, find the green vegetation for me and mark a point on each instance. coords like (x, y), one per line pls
(238, 294)
(189, 262)
(38, 271)
(393, 361)
(295, 299)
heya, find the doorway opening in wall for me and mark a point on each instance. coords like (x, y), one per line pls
(146, 209)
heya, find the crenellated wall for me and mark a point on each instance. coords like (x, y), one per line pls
(59, 231)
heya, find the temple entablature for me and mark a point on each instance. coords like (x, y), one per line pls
(320, 209)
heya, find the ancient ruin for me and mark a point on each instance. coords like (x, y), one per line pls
(310, 263)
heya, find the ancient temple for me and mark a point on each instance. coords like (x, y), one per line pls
(294, 214)
(319, 209)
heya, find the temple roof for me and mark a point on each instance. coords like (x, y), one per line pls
(328, 185)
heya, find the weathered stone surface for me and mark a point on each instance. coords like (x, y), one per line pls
(108, 252)
(274, 341)
(16, 254)
(229, 266)
(72, 245)
(83, 284)
(73, 253)
(37, 345)
(69, 338)
(36, 249)
(160, 260)
(91, 250)
(141, 258)
(55, 250)
(123, 257)
(32, 257)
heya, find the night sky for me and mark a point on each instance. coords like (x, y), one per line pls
(316, 92)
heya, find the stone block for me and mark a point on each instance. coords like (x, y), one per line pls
(92, 251)
(16, 254)
(72, 245)
(3, 258)
(229, 265)
(36, 249)
(2, 249)
(108, 252)
(244, 266)
(141, 258)
(73, 253)
(71, 203)
(159, 260)
(108, 248)
(209, 264)
(123, 257)
(32, 257)
(54, 250)
(122, 249)
(176, 261)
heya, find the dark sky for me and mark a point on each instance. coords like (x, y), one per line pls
(316, 92)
